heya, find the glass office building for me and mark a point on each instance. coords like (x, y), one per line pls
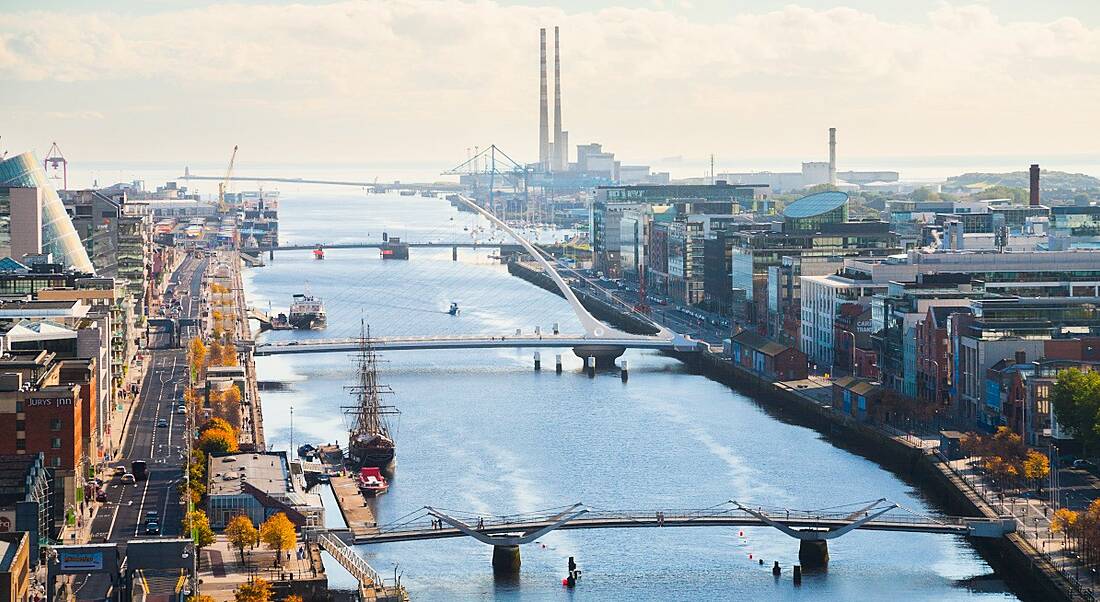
(59, 238)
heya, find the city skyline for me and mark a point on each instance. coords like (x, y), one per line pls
(422, 81)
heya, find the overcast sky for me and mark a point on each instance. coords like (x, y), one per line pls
(422, 80)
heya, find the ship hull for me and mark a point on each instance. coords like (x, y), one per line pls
(307, 321)
(384, 459)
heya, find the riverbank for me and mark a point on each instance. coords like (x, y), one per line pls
(809, 404)
(1012, 557)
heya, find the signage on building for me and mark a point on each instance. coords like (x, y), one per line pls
(81, 560)
(50, 401)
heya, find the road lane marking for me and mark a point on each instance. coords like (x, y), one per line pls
(141, 505)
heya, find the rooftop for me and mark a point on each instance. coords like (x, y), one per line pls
(266, 471)
(815, 204)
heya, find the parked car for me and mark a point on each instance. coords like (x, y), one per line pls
(181, 409)
(128, 479)
(101, 496)
(1084, 464)
(120, 470)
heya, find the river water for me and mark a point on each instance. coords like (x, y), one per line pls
(481, 431)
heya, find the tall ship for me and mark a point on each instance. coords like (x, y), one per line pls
(306, 312)
(370, 442)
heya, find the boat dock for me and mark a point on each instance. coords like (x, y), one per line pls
(353, 506)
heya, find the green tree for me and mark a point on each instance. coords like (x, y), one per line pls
(198, 526)
(1076, 398)
(1019, 196)
(278, 533)
(242, 533)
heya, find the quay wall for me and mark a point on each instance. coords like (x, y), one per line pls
(599, 308)
(1013, 557)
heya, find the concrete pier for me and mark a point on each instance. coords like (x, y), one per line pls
(353, 506)
(813, 554)
(557, 363)
(538, 362)
(605, 355)
(590, 366)
(506, 559)
(624, 371)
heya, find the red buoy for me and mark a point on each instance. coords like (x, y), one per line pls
(741, 533)
(750, 556)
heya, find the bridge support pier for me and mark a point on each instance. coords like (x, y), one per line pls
(454, 253)
(605, 355)
(506, 560)
(813, 553)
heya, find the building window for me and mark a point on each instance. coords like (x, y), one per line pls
(55, 424)
(21, 444)
(55, 462)
(18, 406)
(20, 425)
(55, 443)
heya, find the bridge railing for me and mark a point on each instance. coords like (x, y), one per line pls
(782, 515)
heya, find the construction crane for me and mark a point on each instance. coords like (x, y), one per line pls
(224, 184)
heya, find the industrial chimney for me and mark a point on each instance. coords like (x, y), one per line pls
(544, 125)
(1034, 185)
(832, 156)
(561, 147)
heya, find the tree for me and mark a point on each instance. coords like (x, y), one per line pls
(257, 590)
(1076, 398)
(196, 357)
(242, 533)
(293, 598)
(218, 441)
(197, 525)
(1017, 195)
(1036, 468)
(216, 424)
(200, 598)
(278, 533)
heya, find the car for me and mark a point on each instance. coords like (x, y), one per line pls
(1084, 464)
(152, 528)
(162, 422)
(129, 479)
(181, 409)
(120, 470)
(101, 496)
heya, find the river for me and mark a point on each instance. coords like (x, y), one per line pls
(481, 431)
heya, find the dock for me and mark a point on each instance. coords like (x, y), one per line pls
(353, 506)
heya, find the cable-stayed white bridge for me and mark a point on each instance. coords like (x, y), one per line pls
(599, 341)
(812, 528)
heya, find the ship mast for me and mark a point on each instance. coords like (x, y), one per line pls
(369, 412)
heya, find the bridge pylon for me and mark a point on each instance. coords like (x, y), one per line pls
(506, 557)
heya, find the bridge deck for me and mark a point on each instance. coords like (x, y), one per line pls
(424, 531)
(460, 342)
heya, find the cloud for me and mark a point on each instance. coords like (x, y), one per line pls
(638, 78)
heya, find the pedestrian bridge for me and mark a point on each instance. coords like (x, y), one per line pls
(813, 528)
(475, 342)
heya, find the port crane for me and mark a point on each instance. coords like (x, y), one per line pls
(54, 158)
(224, 184)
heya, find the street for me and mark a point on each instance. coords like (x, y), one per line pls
(123, 516)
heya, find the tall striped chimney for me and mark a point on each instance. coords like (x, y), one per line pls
(832, 156)
(1034, 173)
(561, 148)
(544, 125)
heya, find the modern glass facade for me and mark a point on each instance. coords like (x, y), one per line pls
(810, 212)
(59, 238)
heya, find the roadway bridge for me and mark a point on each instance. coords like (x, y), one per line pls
(812, 528)
(428, 187)
(473, 342)
(466, 244)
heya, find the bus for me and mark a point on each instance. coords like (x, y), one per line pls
(140, 470)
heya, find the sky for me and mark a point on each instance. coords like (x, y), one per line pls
(389, 82)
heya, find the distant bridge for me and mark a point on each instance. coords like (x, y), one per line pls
(813, 528)
(466, 244)
(433, 186)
